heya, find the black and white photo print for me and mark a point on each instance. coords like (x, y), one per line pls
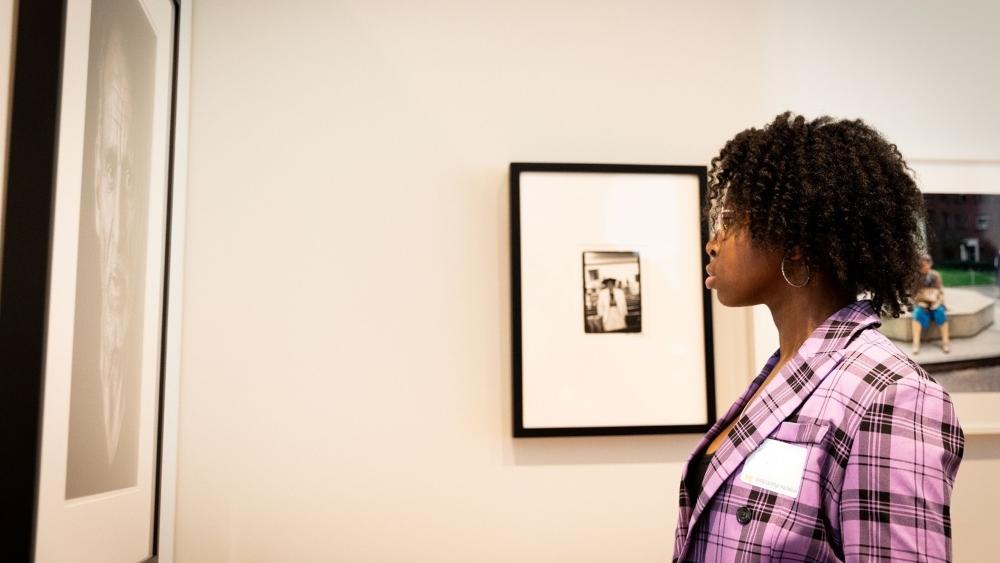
(611, 298)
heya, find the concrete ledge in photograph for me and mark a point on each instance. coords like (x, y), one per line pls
(969, 313)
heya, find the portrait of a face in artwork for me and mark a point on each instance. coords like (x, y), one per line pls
(111, 282)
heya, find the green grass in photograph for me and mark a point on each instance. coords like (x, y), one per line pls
(956, 278)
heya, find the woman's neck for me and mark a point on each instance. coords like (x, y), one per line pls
(799, 311)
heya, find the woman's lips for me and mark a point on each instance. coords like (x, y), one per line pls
(710, 280)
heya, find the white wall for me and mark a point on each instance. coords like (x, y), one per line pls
(924, 72)
(326, 420)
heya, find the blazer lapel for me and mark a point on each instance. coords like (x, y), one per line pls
(815, 359)
(780, 398)
(686, 508)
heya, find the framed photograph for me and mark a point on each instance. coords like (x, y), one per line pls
(963, 204)
(612, 324)
(959, 291)
(86, 249)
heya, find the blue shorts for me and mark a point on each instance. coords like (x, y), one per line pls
(924, 316)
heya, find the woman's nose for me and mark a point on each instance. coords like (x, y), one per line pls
(711, 247)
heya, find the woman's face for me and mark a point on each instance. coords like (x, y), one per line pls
(741, 271)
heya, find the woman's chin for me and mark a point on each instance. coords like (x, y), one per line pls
(727, 298)
(724, 294)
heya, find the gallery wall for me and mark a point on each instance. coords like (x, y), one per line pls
(346, 369)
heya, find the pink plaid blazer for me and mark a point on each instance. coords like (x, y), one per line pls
(883, 449)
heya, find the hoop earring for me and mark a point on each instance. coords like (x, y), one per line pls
(785, 275)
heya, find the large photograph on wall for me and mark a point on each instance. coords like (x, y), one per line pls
(94, 336)
(954, 319)
(611, 322)
(953, 331)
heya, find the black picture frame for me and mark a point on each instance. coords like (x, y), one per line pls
(703, 382)
(29, 212)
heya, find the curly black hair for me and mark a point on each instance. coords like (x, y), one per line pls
(834, 189)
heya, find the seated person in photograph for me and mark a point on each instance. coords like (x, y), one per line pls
(928, 305)
(611, 306)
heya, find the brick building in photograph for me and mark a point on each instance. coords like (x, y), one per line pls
(964, 229)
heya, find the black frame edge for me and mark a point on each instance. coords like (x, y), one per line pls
(706, 306)
(165, 309)
(32, 152)
(515, 292)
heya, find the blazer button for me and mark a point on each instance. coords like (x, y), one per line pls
(743, 515)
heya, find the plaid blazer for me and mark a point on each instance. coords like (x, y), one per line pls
(883, 448)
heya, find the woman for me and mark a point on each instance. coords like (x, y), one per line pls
(842, 449)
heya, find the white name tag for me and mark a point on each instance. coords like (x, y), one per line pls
(776, 466)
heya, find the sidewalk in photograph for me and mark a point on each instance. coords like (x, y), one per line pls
(966, 378)
(971, 380)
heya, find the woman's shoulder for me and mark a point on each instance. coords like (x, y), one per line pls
(876, 386)
(872, 365)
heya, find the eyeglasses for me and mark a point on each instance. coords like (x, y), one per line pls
(723, 222)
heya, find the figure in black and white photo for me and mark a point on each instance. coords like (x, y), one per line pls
(111, 272)
(611, 296)
(611, 306)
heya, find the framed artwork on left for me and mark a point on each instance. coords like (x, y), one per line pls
(612, 325)
(86, 247)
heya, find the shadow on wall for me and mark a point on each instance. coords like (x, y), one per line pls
(982, 446)
(601, 450)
